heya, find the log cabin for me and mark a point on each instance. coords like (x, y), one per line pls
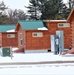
(35, 35)
(8, 36)
(70, 19)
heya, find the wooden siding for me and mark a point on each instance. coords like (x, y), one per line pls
(19, 31)
(37, 43)
(53, 26)
(0, 39)
(9, 41)
(72, 29)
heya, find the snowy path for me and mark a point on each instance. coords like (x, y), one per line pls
(56, 69)
(37, 69)
(36, 57)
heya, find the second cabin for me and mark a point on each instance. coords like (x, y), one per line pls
(35, 35)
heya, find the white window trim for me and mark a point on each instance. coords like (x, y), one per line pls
(21, 39)
(64, 26)
(11, 35)
(22, 36)
(37, 33)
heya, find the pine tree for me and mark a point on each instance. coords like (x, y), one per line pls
(67, 8)
(3, 15)
(55, 8)
(33, 8)
(49, 9)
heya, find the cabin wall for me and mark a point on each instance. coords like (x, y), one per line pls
(37, 43)
(72, 31)
(0, 39)
(6, 41)
(21, 31)
(53, 26)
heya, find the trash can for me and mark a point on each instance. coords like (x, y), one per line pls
(6, 51)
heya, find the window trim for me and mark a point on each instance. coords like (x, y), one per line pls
(11, 36)
(21, 39)
(37, 33)
(63, 25)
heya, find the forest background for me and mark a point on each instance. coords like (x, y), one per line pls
(37, 10)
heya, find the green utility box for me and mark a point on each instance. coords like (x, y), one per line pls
(6, 51)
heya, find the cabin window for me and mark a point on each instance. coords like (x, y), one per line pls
(64, 25)
(11, 35)
(21, 39)
(37, 34)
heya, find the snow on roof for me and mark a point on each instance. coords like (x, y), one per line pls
(32, 24)
(13, 30)
(5, 28)
(43, 28)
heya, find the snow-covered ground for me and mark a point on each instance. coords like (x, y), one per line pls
(36, 57)
(37, 69)
(48, 69)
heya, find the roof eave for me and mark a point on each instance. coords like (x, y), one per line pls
(54, 20)
(17, 25)
(69, 17)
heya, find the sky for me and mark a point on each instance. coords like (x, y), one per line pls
(18, 4)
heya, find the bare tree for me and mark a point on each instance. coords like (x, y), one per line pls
(11, 15)
(15, 15)
(21, 15)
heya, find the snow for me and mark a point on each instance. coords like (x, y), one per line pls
(43, 28)
(13, 49)
(36, 57)
(13, 30)
(37, 69)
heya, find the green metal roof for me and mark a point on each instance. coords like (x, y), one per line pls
(5, 28)
(31, 25)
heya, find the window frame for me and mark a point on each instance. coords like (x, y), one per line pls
(21, 39)
(39, 34)
(10, 36)
(64, 25)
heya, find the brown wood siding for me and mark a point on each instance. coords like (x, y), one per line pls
(37, 43)
(0, 39)
(20, 30)
(9, 41)
(53, 26)
(72, 29)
